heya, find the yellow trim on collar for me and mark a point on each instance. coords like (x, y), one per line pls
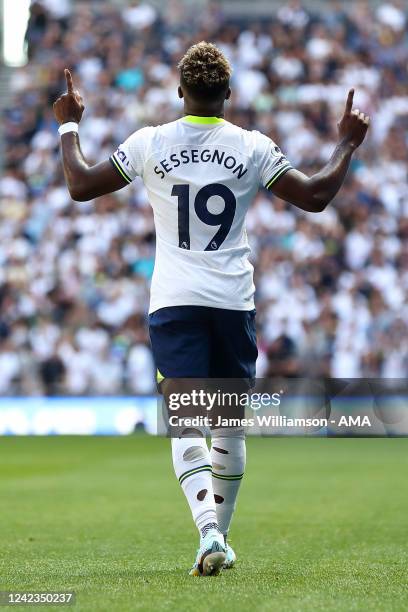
(203, 120)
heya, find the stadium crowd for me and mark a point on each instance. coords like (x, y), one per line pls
(74, 278)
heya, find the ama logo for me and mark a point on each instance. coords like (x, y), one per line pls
(357, 421)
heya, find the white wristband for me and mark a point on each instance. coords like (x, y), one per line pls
(71, 126)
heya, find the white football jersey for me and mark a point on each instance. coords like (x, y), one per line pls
(201, 175)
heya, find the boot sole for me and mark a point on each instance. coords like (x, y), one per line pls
(213, 563)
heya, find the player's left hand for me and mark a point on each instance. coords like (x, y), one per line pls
(69, 106)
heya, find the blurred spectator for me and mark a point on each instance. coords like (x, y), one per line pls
(74, 278)
(52, 371)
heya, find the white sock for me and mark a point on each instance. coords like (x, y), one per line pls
(192, 464)
(228, 457)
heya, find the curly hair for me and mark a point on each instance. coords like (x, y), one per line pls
(205, 71)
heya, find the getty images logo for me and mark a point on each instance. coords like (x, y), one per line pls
(209, 400)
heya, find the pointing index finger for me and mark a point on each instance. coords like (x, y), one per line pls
(349, 103)
(68, 78)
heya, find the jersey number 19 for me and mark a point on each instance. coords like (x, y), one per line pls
(223, 219)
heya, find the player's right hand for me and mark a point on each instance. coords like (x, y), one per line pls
(69, 106)
(354, 124)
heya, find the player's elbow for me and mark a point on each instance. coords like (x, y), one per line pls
(312, 200)
(313, 206)
(79, 193)
(81, 198)
(319, 202)
(320, 205)
(317, 196)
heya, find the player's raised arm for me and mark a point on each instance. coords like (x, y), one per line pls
(84, 182)
(314, 193)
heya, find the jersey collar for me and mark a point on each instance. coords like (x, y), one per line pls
(195, 119)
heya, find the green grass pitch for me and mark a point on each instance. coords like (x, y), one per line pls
(321, 525)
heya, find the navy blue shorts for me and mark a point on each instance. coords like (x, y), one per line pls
(203, 342)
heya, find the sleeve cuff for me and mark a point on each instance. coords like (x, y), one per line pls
(278, 174)
(116, 164)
